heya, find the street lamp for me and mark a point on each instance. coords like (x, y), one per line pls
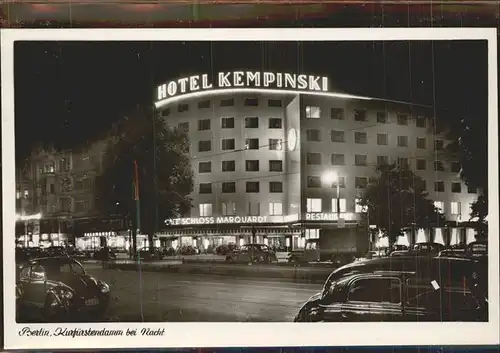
(329, 178)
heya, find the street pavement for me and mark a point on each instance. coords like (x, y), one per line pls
(164, 297)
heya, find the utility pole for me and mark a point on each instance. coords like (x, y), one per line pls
(137, 205)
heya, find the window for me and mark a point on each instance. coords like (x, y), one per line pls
(65, 204)
(421, 164)
(361, 160)
(313, 205)
(313, 182)
(313, 112)
(275, 144)
(274, 103)
(314, 158)
(205, 188)
(421, 142)
(360, 182)
(228, 208)
(381, 117)
(227, 144)
(203, 124)
(251, 144)
(204, 104)
(252, 122)
(438, 166)
(52, 189)
(312, 233)
(26, 194)
(275, 208)
(360, 137)
(359, 115)
(382, 139)
(439, 205)
(165, 112)
(456, 208)
(403, 162)
(183, 126)
(228, 166)
(313, 135)
(375, 290)
(439, 186)
(252, 165)
(456, 187)
(338, 136)
(402, 119)
(204, 146)
(252, 186)
(358, 208)
(275, 123)
(275, 166)
(205, 209)
(227, 123)
(251, 102)
(342, 203)
(227, 102)
(421, 121)
(439, 145)
(338, 159)
(382, 160)
(275, 187)
(82, 206)
(337, 113)
(455, 167)
(403, 141)
(229, 187)
(183, 108)
(205, 167)
(471, 189)
(253, 209)
(341, 183)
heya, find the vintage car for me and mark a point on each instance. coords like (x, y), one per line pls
(400, 289)
(104, 254)
(150, 254)
(60, 289)
(252, 253)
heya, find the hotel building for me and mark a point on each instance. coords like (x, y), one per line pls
(259, 153)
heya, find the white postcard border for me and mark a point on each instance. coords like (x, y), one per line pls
(248, 334)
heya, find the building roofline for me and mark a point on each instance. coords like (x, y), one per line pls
(220, 91)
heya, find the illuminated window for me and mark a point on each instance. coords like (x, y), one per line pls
(342, 203)
(358, 208)
(275, 208)
(314, 205)
(313, 112)
(456, 208)
(228, 208)
(439, 205)
(312, 233)
(18, 194)
(205, 209)
(26, 194)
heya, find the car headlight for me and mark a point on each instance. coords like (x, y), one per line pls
(66, 293)
(104, 287)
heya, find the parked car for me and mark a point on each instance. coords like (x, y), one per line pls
(60, 290)
(402, 253)
(26, 254)
(400, 289)
(188, 250)
(148, 254)
(477, 249)
(169, 251)
(452, 253)
(224, 249)
(56, 251)
(428, 248)
(252, 253)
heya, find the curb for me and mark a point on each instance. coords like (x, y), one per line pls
(302, 274)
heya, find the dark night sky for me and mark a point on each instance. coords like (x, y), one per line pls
(67, 91)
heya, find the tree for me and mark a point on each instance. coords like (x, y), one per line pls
(143, 144)
(397, 199)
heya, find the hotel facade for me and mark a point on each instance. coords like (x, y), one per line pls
(261, 144)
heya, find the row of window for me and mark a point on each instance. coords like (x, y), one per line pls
(313, 205)
(361, 115)
(229, 102)
(229, 187)
(250, 166)
(229, 144)
(250, 122)
(361, 137)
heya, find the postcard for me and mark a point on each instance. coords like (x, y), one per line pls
(249, 187)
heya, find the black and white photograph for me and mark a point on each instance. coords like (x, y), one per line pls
(248, 177)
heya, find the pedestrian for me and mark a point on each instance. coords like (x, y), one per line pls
(105, 256)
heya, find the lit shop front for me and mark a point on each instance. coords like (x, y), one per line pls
(120, 241)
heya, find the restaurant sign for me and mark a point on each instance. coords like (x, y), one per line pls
(230, 220)
(242, 79)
